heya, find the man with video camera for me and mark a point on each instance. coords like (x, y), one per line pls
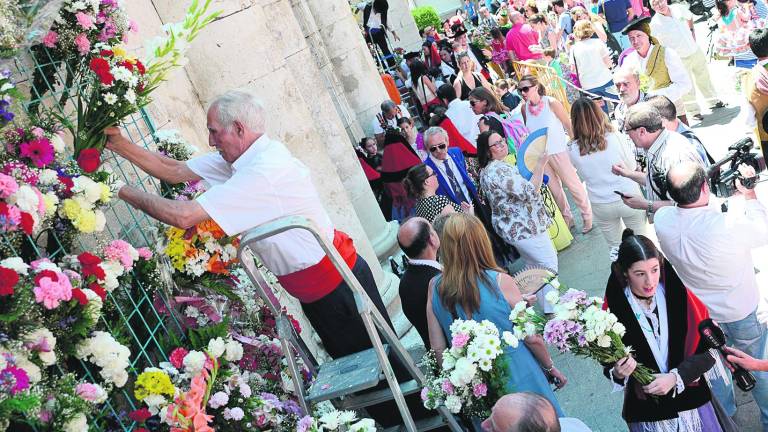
(711, 252)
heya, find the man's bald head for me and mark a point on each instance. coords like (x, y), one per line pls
(414, 236)
(522, 412)
(685, 182)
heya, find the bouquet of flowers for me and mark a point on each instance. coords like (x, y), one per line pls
(473, 373)
(580, 325)
(119, 84)
(170, 143)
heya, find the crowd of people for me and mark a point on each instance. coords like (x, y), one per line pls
(620, 142)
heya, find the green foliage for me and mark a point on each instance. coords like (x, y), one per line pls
(426, 16)
(198, 338)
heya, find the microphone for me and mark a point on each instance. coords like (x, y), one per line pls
(713, 337)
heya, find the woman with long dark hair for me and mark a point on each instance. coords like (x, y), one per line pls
(423, 86)
(661, 317)
(421, 185)
(473, 286)
(375, 24)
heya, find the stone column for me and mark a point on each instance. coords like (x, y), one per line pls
(259, 46)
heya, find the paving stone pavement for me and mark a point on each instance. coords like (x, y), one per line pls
(584, 265)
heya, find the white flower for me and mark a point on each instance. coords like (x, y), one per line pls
(110, 98)
(48, 177)
(104, 351)
(121, 73)
(604, 341)
(58, 144)
(130, 96)
(330, 420)
(449, 361)
(463, 372)
(510, 339)
(619, 329)
(43, 343)
(16, 264)
(364, 425)
(76, 6)
(234, 351)
(79, 423)
(194, 362)
(552, 297)
(154, 402)
(192, 312)
(529, 328)
(485, 365)
(26, 199)
(112, 271)
(453, 403)
(555, 282)
(346, 417)
(216, 347)
(87, 188)
(101, 220)
(94, 304)
(218, 400)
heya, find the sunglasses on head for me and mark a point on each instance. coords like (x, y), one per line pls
(437, 147)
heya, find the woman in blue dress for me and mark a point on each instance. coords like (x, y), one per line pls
(472, 286)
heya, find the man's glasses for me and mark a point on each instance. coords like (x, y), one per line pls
(437, 147)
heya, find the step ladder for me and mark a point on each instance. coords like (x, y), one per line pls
(343, 380)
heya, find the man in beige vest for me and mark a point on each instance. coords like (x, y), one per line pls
(666, 71)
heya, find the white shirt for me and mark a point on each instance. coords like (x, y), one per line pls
(669, 149)
(673, 31)
(595, 169)
(374, 19)
(461, 114)
(425, 262)
(441, 165)
(681, 82)
(710, 251)
(588, 57)
(265, 183)
(376, 126)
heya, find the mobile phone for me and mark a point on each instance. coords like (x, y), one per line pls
(620, 194)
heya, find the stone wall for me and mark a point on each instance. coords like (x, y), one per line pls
(311, 68)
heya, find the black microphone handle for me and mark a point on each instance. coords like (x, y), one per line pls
(742, 377)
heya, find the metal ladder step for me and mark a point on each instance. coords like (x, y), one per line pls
(373, 397)
(426, 424)
(346, 375)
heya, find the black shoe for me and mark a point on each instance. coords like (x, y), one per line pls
(698, 117)
(719, 104)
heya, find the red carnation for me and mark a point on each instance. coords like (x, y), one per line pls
(140, 415)
(87, 258)
(89, 160)
(8, 280)
(106, 53)
(46, 274)
(68, 184)
(128, 65)
(101, 68)
(140, 67)
(95, 287)
(80, 296)
(27, 223)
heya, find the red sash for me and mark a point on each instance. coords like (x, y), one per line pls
(317, 281)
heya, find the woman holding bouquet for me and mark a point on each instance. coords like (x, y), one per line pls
(472, 286)
(661, 317)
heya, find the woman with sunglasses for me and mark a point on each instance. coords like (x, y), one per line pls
(595, 148)
(421, 185)
(495, 116)
(541, 111)
(518, 214)
(467, 79)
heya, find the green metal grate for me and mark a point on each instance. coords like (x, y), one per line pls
(134, 317)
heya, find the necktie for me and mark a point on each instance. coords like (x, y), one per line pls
(454, 183)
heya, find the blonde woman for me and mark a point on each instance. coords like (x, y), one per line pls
(591, 61)
(473, 286)
(579, 13)
(594, 149)
(467, 80)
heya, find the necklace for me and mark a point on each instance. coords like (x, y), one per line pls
(535, 109)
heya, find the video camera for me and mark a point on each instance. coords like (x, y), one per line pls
(722, 179)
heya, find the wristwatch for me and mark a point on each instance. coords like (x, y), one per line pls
(650, 207)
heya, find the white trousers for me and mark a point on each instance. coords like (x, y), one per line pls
(608, 217)
(539, 251)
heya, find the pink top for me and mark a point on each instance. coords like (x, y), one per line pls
(499, 52)
(519, 38)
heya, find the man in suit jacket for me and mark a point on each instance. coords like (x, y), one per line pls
(449, 167)
(419, 242)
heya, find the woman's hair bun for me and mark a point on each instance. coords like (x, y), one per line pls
(626, 234)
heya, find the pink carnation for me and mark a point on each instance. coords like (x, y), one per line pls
(447, 387)
(83, 44)
(50, 39)
(459, 340)
(424, 394)
(177, 357)
(50, 293)
(89, 392)
(8, 186)
(480, 390)
(144, 253)
(119, 250)
(85, 20)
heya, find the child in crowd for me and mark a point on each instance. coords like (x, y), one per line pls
(499, 53)
(552, 60)
(505, 91)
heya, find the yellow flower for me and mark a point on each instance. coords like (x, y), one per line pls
(70, 209)
(119, 51)
(51, 201)
(86, 221)
(106, 193)
(153, 383)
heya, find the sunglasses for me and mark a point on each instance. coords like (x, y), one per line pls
(474, 102)
(524, 89)
(437, 147)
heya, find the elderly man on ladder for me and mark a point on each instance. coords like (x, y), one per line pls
(255, 179)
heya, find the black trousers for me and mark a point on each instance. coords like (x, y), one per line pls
(335, 319)
(379, 37)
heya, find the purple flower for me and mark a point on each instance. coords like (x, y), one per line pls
(304, 424)
(447, 387)
(574, 296)
(14, 380)
(424, 393)
(559, 332)
(290, 406)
